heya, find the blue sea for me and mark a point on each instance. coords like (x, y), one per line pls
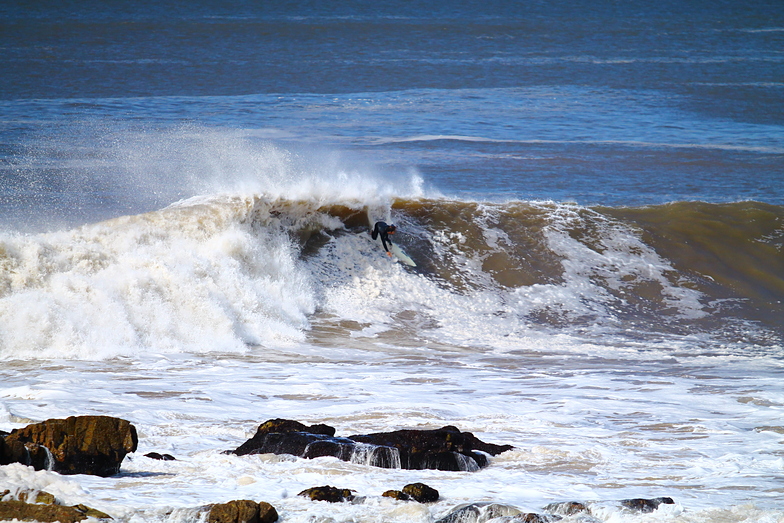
(592, 192)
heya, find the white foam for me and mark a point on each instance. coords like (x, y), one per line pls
(187, 278)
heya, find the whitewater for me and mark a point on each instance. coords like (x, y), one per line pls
(612, 375)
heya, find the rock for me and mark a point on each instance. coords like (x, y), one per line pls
(19, 510)
(646, 505)
(79, 444)
(479, 513)
(13, 451)
(443, 449)
(41, 497)
(396, 494)
(281, 436)
(534, 518)
(267, 513)
(161, 457)
(528, 518)
(421, 493)
(91, 512)
(495, 512)
(242, 511)
(328, 493)
(566, 508)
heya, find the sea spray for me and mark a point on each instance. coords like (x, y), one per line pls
(108, 168)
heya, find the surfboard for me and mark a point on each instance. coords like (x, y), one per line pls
(398, 253)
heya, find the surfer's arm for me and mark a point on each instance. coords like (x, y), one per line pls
(384, 240)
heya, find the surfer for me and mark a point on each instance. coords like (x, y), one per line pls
(381, 228)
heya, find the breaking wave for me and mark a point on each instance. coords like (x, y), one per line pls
(232, 272)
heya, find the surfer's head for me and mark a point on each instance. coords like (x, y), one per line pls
(391, 229)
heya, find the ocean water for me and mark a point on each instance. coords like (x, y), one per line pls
(593, 193)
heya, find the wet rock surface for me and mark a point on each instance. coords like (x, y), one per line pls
(160, 457)
(421, 493)
(646, 505)
(328, 493)
(566, 508)
(76, 445)
(242, 511)
(446, 448)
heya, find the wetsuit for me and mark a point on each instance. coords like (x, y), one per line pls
(381, 228)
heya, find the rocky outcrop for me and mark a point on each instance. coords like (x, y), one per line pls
(76, 445)
(242, 511)
(42, 506)
(328, 493)
(444, 449)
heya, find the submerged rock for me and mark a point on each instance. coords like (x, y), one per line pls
(646, 505)
(479, 513)
(495, 512)
(396, 494)
(328, 493)
(242, 511)
(76, 445)
(443, 449)
(566, 508)
(160, 457)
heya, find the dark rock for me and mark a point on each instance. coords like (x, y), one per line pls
(340, 448)
(328, 493)
(444, 449)
(396, 494)
(77, 445)
(161, 457)
(479, 512)
(19, 510)
(281, 436)
(242, 511)
(267, 513)
(482, 512)
(566, 508)
(535, 518)
(421, 493)
(13, 451)
(646, 505)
